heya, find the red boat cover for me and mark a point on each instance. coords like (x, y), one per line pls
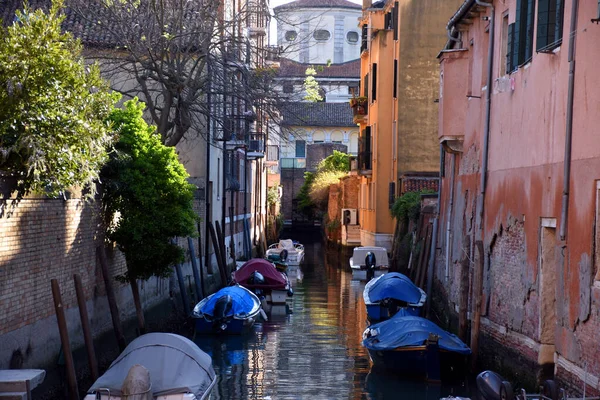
(273, 278)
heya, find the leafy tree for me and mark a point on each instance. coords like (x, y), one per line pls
(311, 86)
(337, 161)
(53, 107)
(146, 196)
(319, 189)
(408, 206)
(305, 204)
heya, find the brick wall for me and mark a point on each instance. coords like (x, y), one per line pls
(44, 239)
(291, 180)
(350, 186)
(315, 153)
(418, 184)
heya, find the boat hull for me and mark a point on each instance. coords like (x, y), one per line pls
(233, 326)
(431, 364)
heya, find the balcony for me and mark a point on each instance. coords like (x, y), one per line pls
(256, 146)
(360, 109)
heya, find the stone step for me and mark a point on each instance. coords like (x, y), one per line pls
(13, 396)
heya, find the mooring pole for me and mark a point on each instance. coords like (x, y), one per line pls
(110, 295)
(85, 325)
(199, 293)
(64, 339)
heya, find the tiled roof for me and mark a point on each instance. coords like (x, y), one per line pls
(319, 4)
(317, 114)
(290, 68)
(91, 34)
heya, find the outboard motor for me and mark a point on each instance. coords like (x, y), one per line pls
(370, 263)
(256, 278)
(220, 313)
(492, 386)
(283, 255)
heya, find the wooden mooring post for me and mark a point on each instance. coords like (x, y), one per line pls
(64, 339)
(197, 274)
(85, 325)
(110, 295)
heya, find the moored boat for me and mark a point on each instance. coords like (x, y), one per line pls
(368, 260)
(415, 346)
(161, 366)
(392, 293)
(292, 250)
(232, 310)
(261, 277)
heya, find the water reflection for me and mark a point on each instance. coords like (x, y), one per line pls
(311, 347)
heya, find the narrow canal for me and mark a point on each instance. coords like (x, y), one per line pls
(311, 348)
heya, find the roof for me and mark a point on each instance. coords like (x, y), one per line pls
(318, 4)
(91, 34)
(348, 69)
(316, 114)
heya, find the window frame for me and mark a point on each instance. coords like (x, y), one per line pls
(546, 18)
(285, 35)
(314, 35)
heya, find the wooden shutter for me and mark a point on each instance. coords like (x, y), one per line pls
(366, 85)
(374, 83)
(542, 27)
(395, 20)
(529, 31)
(395, 90)
(517, 34)
(558, 23)
(387, 20)
(510, 59)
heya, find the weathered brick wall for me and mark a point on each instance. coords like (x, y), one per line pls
(44, 239)
(334, 202)
(350, 186)
(291, 180)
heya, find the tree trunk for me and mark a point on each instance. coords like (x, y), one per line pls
(138, 305)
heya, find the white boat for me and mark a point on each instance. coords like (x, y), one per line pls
(358, 266)
(157, 366)
(295, 251)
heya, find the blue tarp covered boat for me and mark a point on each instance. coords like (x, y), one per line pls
(230, 310)
(415, 346)
(392, 293)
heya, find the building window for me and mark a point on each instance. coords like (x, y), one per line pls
(550, 24)
(321, 35)
(352, 37)
(290, 36)
(374, 84)
(395, 89)
(395, 20)
(521, 34)
(300, 148)
(288, 88)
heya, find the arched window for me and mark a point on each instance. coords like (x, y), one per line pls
(352, 37)
(321, 35)
(290, 36)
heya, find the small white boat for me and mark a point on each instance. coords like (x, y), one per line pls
(158, 366)
(295, 251)
(359, 267)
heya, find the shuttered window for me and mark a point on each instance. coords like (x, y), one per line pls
(395, 78)
(511, 61)
(521, 35)
(374, 84)
(550, 25)
(395, 20)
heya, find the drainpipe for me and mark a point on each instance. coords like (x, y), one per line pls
(208, 195)
(479, 267)
(434, 235)
(449, 216)
(564, 212)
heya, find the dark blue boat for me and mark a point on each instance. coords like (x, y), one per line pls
(230, 310)
(416, 347)
(391, 294)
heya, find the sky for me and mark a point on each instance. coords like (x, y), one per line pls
(273, 30)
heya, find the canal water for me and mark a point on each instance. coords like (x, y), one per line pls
(311, 348)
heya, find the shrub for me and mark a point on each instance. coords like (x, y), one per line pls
(319, 189)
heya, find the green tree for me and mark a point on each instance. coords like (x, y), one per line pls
(311, 86)
(305, 204)
(146, 196)
(319, 188)
(337, 161)
(53, 107)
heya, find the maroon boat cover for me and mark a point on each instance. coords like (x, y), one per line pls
(273, 278)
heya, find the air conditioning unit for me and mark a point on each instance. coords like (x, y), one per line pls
(349, 216)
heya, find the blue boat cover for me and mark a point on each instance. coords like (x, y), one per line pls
(393, 285)
(400, 331)
(244, 302)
